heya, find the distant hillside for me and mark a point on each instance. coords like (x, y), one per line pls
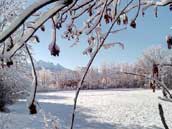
(49, 66)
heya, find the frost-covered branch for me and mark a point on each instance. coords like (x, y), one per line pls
(53, 47)
(165, 99)
(31, 99)
(155, 3)
(24, 16)
(30, 31)
(98, 20)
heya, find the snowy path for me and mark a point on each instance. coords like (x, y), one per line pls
(101, 109)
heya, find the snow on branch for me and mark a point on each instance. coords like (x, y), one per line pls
(23, 17)
(109, 45)
(53, 47)
(165, 99)
(30, 31)
(31, 99)
(149, 3)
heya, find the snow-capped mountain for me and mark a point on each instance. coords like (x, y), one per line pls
(49, 66)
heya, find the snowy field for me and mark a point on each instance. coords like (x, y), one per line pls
(97, 109)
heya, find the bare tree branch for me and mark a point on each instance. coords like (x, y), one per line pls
(119, 30)
(165, 99)
(161, 113)
(98, 19)
(86, 2)
(90, 63)
(32, 106)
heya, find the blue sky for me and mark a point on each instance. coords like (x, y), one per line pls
(150, 31)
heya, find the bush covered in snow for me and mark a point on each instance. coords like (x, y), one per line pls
(14, 84)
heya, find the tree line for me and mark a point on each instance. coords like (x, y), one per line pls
(112, 75)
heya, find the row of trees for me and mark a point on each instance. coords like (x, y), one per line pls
(113, 75)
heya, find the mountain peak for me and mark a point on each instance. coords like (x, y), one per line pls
(49, 66)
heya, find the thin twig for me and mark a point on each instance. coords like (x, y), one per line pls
(165, 99)
(76, 7)
(150, 78)
(161, 113)
(99, 18)
(137, 14)
(90, 63)
(35, 79)
(115, 31)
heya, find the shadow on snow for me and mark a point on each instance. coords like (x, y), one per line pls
(64, 112)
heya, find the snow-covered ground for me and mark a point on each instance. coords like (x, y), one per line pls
(97, 109)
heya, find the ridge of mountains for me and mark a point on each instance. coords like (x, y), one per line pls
(50, 66)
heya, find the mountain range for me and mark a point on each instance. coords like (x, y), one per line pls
(49, 66)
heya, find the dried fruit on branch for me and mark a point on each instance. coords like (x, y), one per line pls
(107, 18)
(152, 85)
(125, 19)
(88, 51)
(54, 49)
(156, 11)
(155, 70)
(90, 11)
(133, 24)
(118, 21)
(36, 38)
(9, 63)
(169, 41)
(32, 109)
(170, 7)
(42, 28)
(10, 45)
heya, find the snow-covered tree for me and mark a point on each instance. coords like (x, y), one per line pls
(44, 77)
(12, 88)
(11, 85)
(155, 55)
(9, 9)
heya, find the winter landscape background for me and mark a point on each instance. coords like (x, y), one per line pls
(85, 64)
